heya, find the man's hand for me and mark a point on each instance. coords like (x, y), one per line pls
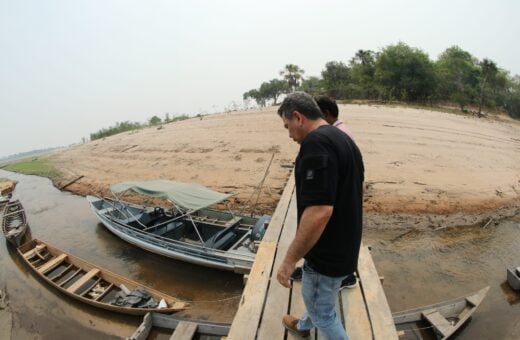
(284, 273)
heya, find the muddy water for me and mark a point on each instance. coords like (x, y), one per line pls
(65, 221)
(425, 267)
(420, 267)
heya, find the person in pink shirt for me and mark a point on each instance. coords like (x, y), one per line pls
(329, 108)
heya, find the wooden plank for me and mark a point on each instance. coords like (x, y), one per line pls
(91, 286)
(355, 314)
(14, 212)
(61, 273)
(184, 331)
(381, 320)
(73, 181)
(204, 327)
(105, 292)
(439, 322)
(52, 263)
(142, 332)
(70, 277)
(82, 280)
(277, 299)
(33, 251)
(247, 318)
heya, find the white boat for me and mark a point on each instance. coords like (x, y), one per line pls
(189, 231)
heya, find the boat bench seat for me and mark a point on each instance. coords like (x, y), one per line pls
(106, 210)
(168, 228)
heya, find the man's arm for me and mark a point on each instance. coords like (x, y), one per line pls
(312, 223)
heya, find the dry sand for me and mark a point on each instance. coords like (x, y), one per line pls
(416, 161)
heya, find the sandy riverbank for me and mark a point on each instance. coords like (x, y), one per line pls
(417, 161)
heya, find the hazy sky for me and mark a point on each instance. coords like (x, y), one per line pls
(69, 68)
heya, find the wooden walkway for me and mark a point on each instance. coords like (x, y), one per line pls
(364, 310)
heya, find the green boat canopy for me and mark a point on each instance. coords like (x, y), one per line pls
(187, 196)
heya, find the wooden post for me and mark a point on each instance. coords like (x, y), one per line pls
(66, 185)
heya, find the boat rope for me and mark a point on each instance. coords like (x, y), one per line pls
(258, 188)
(212, 301)
(197, 231)
(414, 329)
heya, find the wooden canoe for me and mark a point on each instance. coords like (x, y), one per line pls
(14, 223)
(183, 328)
(443, 319)
(513, 277)
(86, 282)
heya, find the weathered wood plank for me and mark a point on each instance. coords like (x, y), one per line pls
(381, 320)
(247, 318)
(82, 280)
(355, 315)
(142, 332)
(52, 263)
(184, 331)
(33, 251)
(439, 322)
(277, 300)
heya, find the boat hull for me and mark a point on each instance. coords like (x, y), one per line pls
(74, 276)
(14, 223)
(230, 260)
(444, 319)
(513, 278)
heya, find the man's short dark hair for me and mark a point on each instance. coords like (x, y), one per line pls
(327, 104)
(301, 102)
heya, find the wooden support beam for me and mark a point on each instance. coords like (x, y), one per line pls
(52, 263)
(184, 331)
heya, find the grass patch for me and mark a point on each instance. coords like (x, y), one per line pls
(35, 166)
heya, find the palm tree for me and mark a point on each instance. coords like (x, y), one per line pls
(293, 74)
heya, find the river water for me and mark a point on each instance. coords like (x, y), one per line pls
(422, 267)
(419, 267)
(65, 221)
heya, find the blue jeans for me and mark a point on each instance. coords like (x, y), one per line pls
(320, 293)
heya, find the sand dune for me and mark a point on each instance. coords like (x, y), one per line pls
(416, 161)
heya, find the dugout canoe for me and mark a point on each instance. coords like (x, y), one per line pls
(89, 283)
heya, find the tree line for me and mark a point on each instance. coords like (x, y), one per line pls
(406, 74)
(129, 126)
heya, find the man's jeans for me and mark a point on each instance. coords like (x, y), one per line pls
(320, 293)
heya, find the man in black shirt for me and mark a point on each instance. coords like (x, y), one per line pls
(329, 175)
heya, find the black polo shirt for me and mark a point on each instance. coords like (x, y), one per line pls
(329, 170)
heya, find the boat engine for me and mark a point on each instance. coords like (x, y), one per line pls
(259, 229)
